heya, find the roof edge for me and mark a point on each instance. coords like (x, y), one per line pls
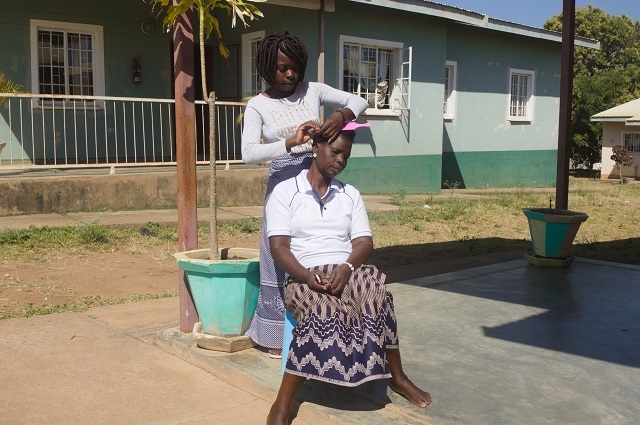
(469, 17)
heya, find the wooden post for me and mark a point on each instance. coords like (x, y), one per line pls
(565, 134)
(185, 157)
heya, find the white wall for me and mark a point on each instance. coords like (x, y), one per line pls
(611, 136)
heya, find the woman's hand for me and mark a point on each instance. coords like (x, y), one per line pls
(338, 280)
(317, 281)
(334, 123)
(332, 126)
(304, 133)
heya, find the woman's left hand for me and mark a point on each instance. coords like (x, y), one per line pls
(332, 126)
(338, 279)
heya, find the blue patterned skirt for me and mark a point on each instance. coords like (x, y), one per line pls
(342, 340)
(267, 325)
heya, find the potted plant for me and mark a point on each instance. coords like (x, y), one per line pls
(224, 283)
(552, 233)
(622, 158)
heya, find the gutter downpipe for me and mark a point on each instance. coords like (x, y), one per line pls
(321, 51)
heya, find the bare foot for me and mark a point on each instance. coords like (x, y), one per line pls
(403, 386)
(278, 415)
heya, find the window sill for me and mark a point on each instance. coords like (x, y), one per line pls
(372, 112)
(520, 119)
(448, 117)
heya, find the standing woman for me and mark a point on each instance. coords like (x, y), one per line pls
(278, 127)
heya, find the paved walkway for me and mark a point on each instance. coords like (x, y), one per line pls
(373, 203)
(495, 340)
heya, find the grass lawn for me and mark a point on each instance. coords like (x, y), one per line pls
(45, 270)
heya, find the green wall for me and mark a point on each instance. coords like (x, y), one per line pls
(495, 169)
(123, 40)
(481, 147)
(413, 174)
(417, 153)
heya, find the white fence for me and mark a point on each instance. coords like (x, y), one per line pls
(98, 131)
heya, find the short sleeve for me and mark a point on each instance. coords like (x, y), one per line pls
(360, 220)
(278, 212)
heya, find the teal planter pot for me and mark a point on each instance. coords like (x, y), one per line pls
(225, 292)
(552, 234)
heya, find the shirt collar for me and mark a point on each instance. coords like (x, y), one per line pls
(305, 187)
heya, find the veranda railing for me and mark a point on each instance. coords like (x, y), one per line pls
(97, 131)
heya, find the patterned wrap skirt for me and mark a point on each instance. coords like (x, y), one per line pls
(342, 340)
(267, 325)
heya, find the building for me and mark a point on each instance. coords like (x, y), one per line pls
(456, 97)
(621, 126)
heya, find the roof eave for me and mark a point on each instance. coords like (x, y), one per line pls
(470, 17)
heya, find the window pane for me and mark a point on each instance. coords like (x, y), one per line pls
(51, 73)
(80, 63)
(447, 71)
(367, 73)
(632, 142)
(256, 82)
(519, 95)
(351, 75)
(65, 62)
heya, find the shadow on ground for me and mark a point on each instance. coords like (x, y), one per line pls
(619, 251)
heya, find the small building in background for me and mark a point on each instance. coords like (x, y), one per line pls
(621, 126)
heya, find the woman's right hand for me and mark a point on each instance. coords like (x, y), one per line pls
(316, 280)
(304, 133)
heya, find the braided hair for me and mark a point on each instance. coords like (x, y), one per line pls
(267, 55)
(347, 134)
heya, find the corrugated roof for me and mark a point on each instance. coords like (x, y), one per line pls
(478, 19)
(629, 113)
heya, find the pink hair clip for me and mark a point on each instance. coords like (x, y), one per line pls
(352, 125)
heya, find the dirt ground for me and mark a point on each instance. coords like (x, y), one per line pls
(71, 279)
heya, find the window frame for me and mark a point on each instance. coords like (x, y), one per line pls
(396, 71)
(530, 104)
(636, 135)
(450, 87)
(248, 64)
(97, 43)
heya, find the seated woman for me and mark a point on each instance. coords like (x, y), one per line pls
(319, 234)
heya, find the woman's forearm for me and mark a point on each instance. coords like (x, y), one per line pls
(362, 249)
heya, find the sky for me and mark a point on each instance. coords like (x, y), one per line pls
(535, 12)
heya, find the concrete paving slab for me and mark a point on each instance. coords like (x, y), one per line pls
(254, 372)
(141, 217)
(517, 344)
(504, 343)
(72, 369)
(500, 342)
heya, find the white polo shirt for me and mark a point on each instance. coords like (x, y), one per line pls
(320, 234)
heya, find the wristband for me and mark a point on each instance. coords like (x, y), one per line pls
(344, 119)
(350, 266)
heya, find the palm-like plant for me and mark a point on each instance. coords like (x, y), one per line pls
(208, 23)
(7, 86)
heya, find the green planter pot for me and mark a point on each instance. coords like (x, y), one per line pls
(225, 292)
(552, 234)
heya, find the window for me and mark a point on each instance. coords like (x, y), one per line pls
(379, 71)
(631, 142)
(66, 58)
(252, 84)
(450, 88)
(521, 95)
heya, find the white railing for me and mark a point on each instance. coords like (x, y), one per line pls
(98, 131)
